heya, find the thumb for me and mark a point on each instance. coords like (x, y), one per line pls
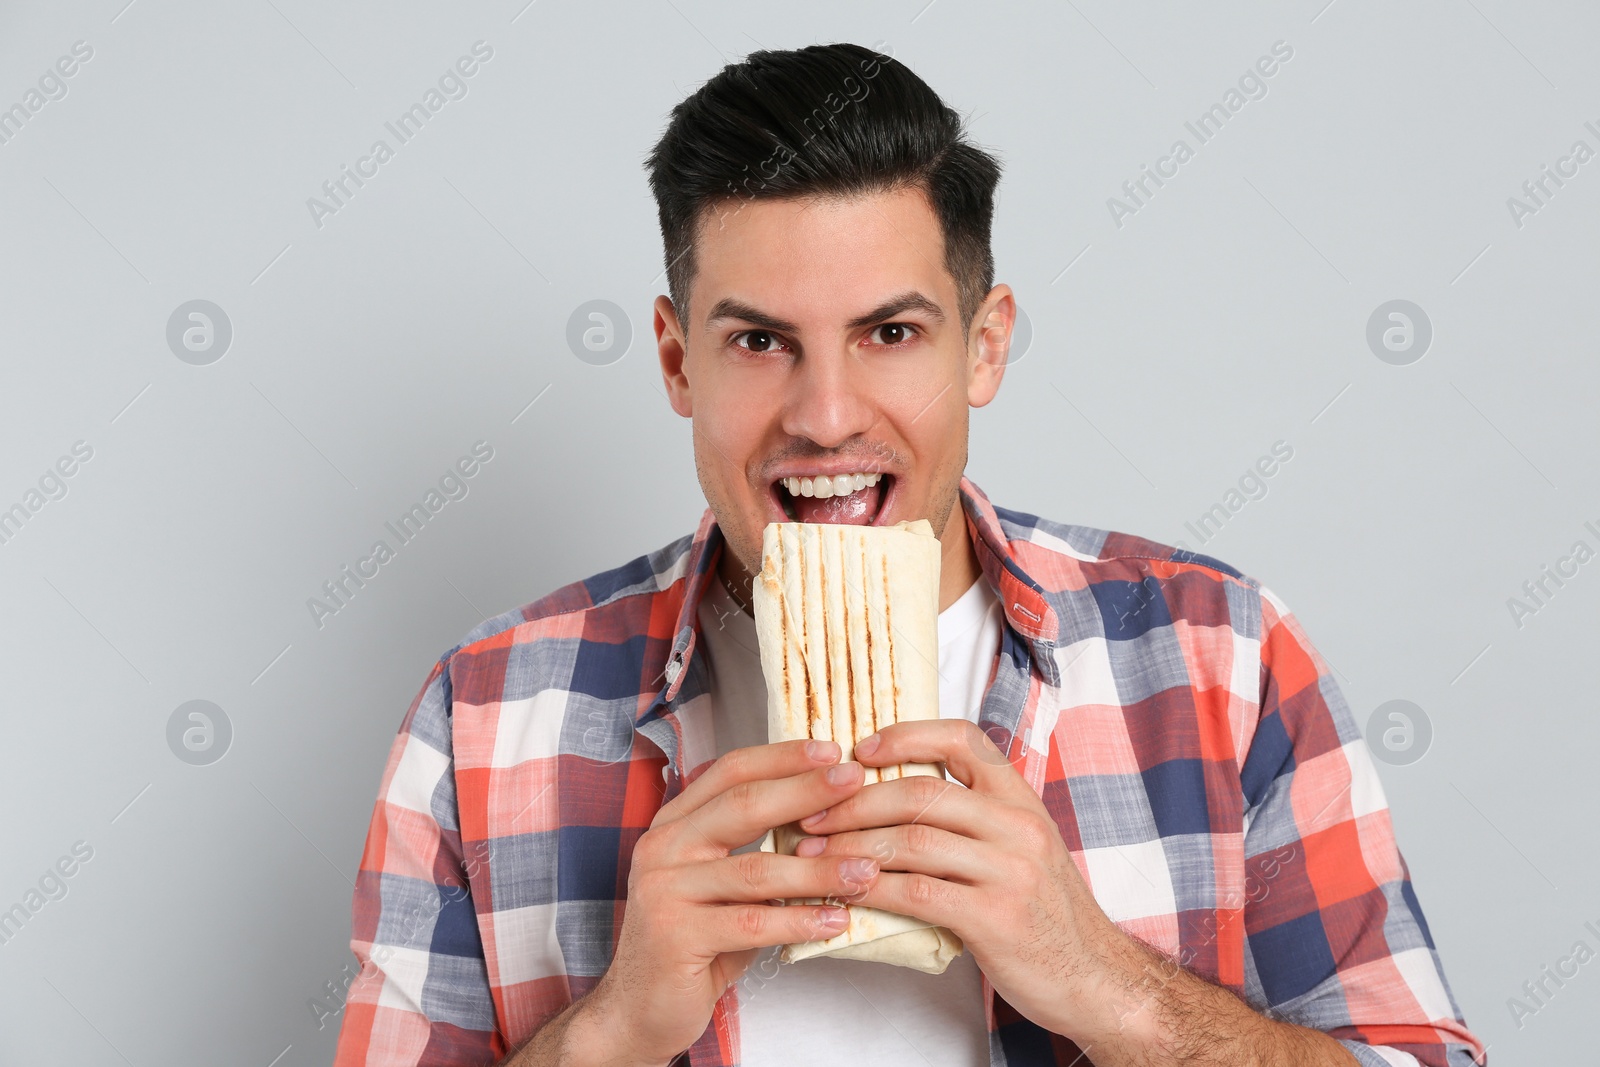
(729, 967)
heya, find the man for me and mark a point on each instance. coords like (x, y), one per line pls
(1161, 839)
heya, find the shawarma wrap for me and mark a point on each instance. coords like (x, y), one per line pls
(848, 623)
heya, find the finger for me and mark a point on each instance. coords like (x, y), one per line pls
(747, 810)
(972, 758)
(753, 877)
(915, 847)
(736, 927)
(919, 798)
(779, 760)
(921, 896)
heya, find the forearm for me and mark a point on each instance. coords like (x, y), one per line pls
(580, 1036)
(1166, 1015)
(548, 1046)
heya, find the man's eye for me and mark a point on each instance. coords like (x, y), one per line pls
(894, 333)
(756, 341)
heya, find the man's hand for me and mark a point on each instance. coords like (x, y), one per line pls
(697, 917)
(987, 861)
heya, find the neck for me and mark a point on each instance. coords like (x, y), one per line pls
(958, 562)
(738, 581)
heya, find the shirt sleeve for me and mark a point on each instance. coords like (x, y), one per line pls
(1334, 937)
(422, 997)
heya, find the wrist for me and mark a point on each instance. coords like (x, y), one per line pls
(1159, 1012)
(596, 1036)
(1129, 1001)
(1126, 998)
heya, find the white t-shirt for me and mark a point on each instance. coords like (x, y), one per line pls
(850, 1011)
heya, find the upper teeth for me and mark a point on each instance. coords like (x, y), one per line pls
(824, 486)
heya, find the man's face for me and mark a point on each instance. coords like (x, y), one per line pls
(825, 340)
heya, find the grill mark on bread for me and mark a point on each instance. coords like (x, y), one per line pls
(849, 653)
(783, 633)
(827, 664)
(894, 674)
(872, 691)
(805, 659)
(888, 624)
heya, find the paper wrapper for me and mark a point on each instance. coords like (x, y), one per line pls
(848, 622)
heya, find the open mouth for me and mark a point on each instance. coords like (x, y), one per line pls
(858, 499)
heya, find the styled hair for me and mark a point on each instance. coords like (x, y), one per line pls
(832, 120)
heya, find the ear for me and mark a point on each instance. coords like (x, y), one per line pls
(673, 353)
(989, 345)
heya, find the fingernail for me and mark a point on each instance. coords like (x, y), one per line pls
(810, 846)
(857, 870)
(843, 773)
(867, 745)
(832, 916)
(823, 751)
(813, 819)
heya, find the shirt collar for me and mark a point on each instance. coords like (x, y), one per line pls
(1027, 608)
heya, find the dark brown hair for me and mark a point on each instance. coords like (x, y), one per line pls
(824, 120)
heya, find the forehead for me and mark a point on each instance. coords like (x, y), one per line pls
(820, 259)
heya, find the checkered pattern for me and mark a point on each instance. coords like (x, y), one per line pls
(1198, 758)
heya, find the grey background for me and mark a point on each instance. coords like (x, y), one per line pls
(369, 354)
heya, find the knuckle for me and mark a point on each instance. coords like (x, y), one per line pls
(647, 852)
(919, 838)
(925, 788)
(750, 922)
(666, 813)
(743, 800)
(1035, 832)
(753, 868)
(922, 891)
(735, 764)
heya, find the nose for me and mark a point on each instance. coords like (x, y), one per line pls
(828, 399)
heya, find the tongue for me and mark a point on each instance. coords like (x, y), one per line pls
(857, 509)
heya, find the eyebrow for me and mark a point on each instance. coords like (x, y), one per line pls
(729, 308)
(911, 300)
(896, 305)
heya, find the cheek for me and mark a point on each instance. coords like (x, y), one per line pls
(936, 428)
(728, 403)
(933, 382)
(732, 428)
(729, 421)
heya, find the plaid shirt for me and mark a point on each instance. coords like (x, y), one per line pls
(1202, 766)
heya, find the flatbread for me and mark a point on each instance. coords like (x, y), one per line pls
(848, 623)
